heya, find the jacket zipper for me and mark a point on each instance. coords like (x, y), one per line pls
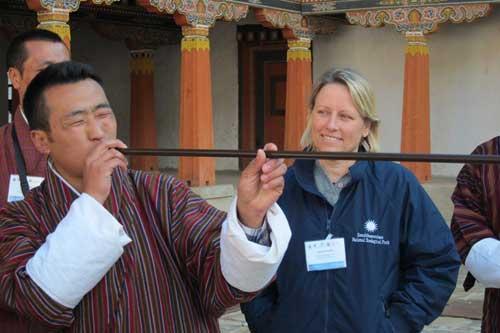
(329, 234)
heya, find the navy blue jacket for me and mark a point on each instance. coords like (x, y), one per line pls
(398, 276)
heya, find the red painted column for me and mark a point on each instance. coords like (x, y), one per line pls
(196, 119)
(415, 129)
(143, 133)
(298, 89)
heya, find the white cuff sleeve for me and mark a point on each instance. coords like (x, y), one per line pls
(75, 257)
(483, 262)
(246, 265)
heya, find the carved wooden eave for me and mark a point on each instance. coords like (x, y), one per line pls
(66, 5)
(293, 25)
(312, 7)
(422, 19)
(324, 7)
(198, 12)
(133, 25)
(292, 6)
(116, 22)
(320, 16)
(323, 24)
(137, 37)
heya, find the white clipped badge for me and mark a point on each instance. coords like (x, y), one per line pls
(325, 254)
(15, 191)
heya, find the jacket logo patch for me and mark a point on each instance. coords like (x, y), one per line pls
(369, 235)
(371, 226)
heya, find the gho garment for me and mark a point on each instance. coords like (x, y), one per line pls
(169, 277)
(476, 226)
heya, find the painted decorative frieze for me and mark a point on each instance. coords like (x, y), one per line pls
(297, 24)
(425, 19)
(69, 5)
(198, 12)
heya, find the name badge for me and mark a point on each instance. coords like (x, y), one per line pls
(325, 254)
(15, 191)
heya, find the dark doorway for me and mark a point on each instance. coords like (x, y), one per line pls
(262, 88)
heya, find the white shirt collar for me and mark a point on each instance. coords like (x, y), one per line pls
(53, 169)
(24, 116)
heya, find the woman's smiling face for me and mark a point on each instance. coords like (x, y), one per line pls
(337, 125)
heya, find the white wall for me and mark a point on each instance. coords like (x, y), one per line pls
(378, 54)
(464, 84)
(167, 92)
(465, 87)
(224, 56)
(111, 62)
(224, 60)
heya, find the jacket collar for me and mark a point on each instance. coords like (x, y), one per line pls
(304, 173)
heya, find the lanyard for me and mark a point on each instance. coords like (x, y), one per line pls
(21, 166)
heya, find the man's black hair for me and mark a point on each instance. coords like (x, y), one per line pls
(62, 73)
(16, 52)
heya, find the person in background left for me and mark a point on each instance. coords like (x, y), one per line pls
(27, 54)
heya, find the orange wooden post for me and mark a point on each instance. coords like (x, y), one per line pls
(196, 123)
(415, 129)
(143, 133)
(298, 89)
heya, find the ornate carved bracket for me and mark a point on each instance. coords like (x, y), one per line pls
(198, 12)
(53, 15)
(294, 25)
(67, 5)
(424, 19)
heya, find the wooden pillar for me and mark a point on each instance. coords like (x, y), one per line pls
(196, 121)
(298, 89)
(143, 133)
(56, 20)
(415, 129)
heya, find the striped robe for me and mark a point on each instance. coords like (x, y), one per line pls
(477, 216)
(35, 166)
(168, 279)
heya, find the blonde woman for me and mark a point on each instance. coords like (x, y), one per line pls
(369, 250)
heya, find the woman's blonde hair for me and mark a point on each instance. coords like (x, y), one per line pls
(364, 101)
